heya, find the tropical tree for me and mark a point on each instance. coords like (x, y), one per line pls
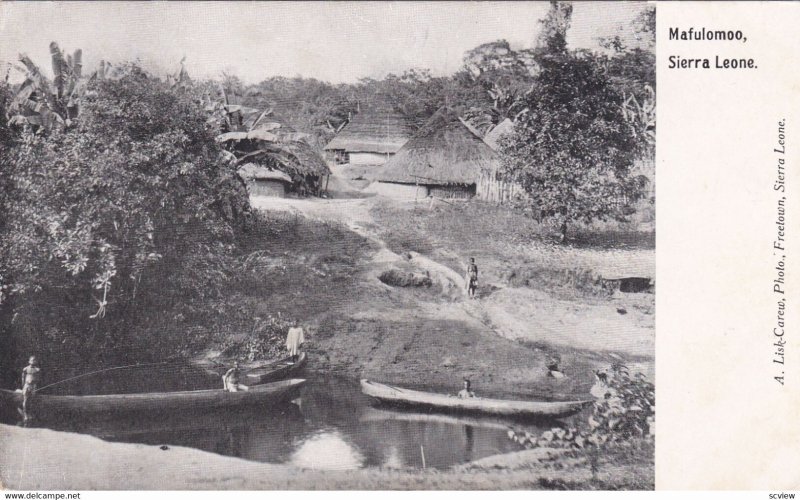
(552, 38)
(250, 135)
(111, 219)
(41, 102)
(505, 75)
(573, 149)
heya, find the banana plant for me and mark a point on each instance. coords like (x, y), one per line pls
(641, 116)
(254, 135)
(40, 102)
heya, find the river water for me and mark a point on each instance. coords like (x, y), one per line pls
(331, 426)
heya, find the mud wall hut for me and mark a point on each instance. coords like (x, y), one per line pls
(263, 181)
(371, 138)
(491, 185)
(444, 159)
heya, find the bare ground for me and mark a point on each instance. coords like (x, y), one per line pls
(432, 337)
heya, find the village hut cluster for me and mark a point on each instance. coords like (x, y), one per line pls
(371, 138)
(446, 158)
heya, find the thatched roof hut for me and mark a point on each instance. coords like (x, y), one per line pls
(444, 152)
(263, 181)
(371, 137)
(304, 160)
(500, 130)
(259, 172)
(274, 145)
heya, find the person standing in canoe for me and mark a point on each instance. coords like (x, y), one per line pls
(472, 278)
(295, 338)
(466, 392)
(31, 376)
(231, 379)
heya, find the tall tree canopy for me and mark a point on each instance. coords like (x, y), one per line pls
(573, 149)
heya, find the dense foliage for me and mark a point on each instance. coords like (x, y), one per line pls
(40, 102)
(118, 207)
(123, 213)
(588, 118)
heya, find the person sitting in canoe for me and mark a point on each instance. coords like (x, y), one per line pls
(31, 376)
(231, 379)
(466, 392)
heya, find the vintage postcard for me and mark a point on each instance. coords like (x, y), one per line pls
(398, 246)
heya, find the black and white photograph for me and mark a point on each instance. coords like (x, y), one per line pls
(327, 245)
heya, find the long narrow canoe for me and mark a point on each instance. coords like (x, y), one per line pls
(209, 421)
(157, 401)
(277, 371)
(509, 408)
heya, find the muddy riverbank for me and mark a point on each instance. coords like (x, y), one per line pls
(431, 336)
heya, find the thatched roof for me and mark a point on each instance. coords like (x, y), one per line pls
(373, 131)
(309, 162)
(279, 146)
(443, 152)
(493, 137)
(261, 173)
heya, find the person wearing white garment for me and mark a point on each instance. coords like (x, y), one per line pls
(294, 339)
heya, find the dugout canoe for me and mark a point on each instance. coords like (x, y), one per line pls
(277, 371)
(508, 408)
(157, 401)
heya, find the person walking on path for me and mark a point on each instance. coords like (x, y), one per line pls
(472, 278)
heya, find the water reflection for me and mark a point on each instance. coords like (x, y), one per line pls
(444, 440)
(393, 459)
(327, 450)
(333, 427)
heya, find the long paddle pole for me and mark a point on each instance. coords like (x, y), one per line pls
(100, 371)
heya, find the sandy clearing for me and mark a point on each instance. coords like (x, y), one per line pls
(533, 315)
(512, 313)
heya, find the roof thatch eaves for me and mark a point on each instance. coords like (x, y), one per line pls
(443, 152)
(309, 161)
(373, 132)
(501, 129)
(260, 172)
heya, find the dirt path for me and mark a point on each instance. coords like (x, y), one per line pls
(421, 338)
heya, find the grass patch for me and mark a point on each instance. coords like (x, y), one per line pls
(514, 250)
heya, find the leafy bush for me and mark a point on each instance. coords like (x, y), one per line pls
(115, 219)
(265, 341)
(623, 412)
